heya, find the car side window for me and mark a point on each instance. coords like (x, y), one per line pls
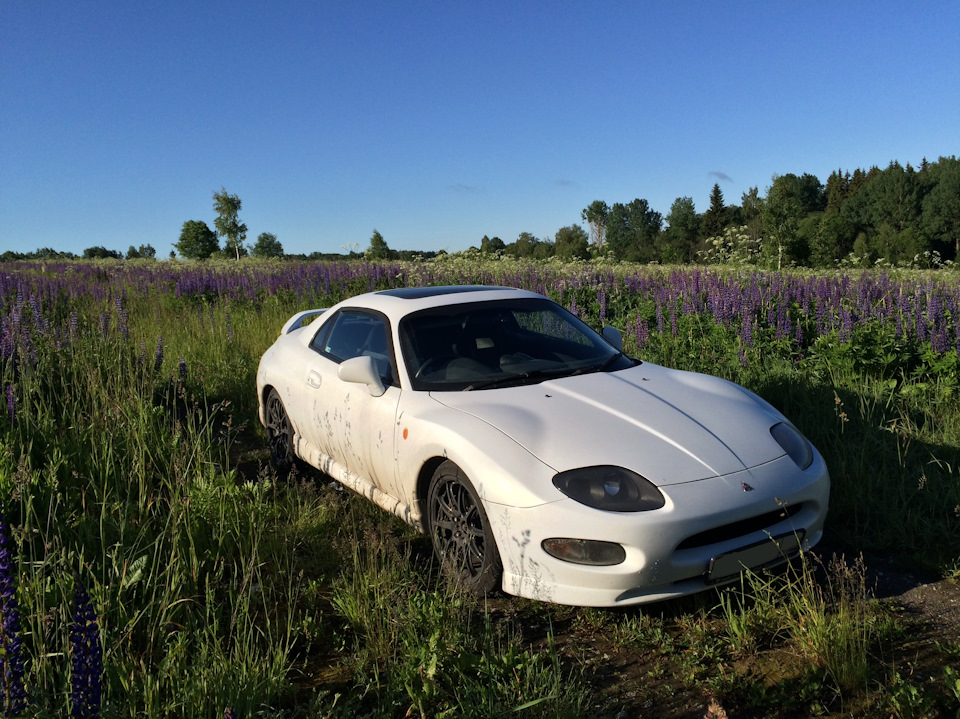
(357, 334)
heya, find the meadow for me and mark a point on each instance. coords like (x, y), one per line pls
(152, 564)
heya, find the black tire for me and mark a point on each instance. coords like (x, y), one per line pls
(460, 531)
(279, 434)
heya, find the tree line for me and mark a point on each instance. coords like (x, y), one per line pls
(896, 216)
(91, 253)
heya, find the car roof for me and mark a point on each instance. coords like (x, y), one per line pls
(416, 293)
(402, 301)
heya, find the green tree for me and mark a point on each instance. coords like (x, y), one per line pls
(833, 241)
(572, 243)
(524, 246)
(543, 249)
(595, 215)
(751, 214)
(837, 190)
(101, 253)
(941, 206)
(492, 245)
(894, 198)
(715, 218)
(790, 199)
(228, 223)
(133, 253)
(197, 241)
(632, 231)
(267, 245)
(147, 251)
(378, 249)
(676, 243)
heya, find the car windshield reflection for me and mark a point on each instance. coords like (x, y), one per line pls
(497, 344)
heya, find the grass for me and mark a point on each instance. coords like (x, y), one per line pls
(144, 478)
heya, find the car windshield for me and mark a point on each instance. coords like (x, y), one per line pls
(485, 345)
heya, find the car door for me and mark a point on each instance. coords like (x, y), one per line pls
(348, 423)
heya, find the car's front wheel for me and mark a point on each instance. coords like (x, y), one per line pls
(279, 433)
(461, 532)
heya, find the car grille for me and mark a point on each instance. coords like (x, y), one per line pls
(739, 529)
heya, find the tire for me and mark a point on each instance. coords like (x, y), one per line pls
(460, 531)
(279, 434)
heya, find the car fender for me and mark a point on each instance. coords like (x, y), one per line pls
(501, 471)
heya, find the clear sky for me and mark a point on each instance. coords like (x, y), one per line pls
(439, 122)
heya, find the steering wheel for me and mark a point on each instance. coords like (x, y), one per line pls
(436, 361)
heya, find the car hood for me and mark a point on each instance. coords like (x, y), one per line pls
(670, 426)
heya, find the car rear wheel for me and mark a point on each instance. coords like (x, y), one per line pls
(461, 532)
(279, 433)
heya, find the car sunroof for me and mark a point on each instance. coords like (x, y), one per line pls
(416, 293)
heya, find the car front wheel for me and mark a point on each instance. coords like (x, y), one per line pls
(461, 532)
(279, 433)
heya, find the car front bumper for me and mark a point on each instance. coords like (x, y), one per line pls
(705, 525)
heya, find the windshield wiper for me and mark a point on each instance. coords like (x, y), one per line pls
(535, 374)
(541, 375)
(607, 363)
(610, 360)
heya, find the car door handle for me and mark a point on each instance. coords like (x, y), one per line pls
(313, 379)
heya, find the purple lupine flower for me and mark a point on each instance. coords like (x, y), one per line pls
(11, 405)
(73, 326)
(602, 299)
(939, 342)
(746, 331)
(183, 369)
(643, 332)
(921, 322)
(158, 355)
(229, 326)
(13, 695)
(228, 713)
(846, 325)
(938, 329)
(87, 657)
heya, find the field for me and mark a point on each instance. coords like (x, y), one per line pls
(153, 565)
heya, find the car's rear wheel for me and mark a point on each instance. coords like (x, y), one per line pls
(279, 433)
(461, 532)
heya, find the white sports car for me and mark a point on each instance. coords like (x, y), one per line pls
(538, 457)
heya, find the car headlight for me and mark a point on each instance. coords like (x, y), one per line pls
(613, 489)
(796, 446)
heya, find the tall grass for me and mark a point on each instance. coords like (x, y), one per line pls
(132, 464)
(422, 648)
(119, 476)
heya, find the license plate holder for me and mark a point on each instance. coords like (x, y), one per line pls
(761, 555)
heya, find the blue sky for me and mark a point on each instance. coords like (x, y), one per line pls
(440, 122)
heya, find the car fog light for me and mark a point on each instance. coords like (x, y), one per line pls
(584, 551)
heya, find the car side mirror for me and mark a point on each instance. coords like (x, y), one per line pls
(613, 336)
(362, 370)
